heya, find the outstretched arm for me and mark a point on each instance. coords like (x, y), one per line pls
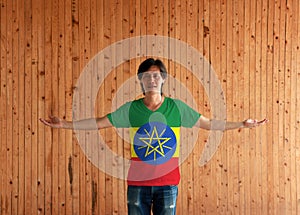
(210, 124)
(85, 124)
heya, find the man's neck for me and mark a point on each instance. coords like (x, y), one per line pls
(153, 100)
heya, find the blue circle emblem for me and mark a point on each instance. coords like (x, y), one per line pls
(155, 143)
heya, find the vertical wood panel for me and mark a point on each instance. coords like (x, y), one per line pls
(287, 108)
(107, 95)
(95, 201)
(257, 207)
(9, 109)
(223, 166)
(280, 42)
(192, 18)
(275, 94)
(292, 111)
(48, 106)
(117, 33)
(15, 107)
(75, 163)
(61, 108)
(27, 165)
(4, 97)
(40, 19)
(241, 105)
(246, 110)
(264, 100)
(181, 76)
(34, 107)
(229, 103)
(101, 99)
(253, 47)
(253, 164)
(206, 205)
(82, 48)
(69, 156)
(55, 106)
(293, 16)
(295, 116)
(297, 62)
(86, 43)
(270, 100)
(21, 62)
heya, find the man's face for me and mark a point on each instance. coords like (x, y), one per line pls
(152, 80)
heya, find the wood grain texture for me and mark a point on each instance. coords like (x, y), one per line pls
(253, 48)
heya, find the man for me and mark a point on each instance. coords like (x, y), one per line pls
(154, 121)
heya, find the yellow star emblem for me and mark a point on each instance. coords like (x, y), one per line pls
(151, 140)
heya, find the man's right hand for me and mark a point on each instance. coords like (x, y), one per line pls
(54, 122)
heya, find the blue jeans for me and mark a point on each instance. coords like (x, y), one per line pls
(162, 200)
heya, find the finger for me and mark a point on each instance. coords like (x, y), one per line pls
(263, 121)
(44, 121)
(249, 121)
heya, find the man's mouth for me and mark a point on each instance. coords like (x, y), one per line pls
(151, 86)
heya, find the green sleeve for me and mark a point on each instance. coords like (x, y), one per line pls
(189, 116)
(120, 117)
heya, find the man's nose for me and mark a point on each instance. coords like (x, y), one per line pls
(152, 78)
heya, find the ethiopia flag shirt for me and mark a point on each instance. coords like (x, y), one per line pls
(155, 139)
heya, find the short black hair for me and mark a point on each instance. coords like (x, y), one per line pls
(146, 64)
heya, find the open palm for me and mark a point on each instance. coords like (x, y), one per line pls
(53, 122)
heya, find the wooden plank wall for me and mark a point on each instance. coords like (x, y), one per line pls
(253, 46)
